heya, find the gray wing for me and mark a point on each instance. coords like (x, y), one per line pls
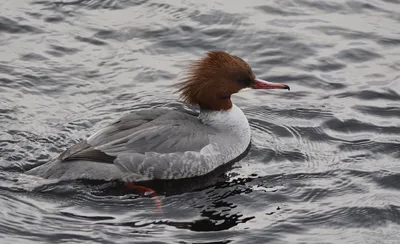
(144, 145)
(158, 131)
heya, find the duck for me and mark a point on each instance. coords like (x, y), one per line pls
(166, 144)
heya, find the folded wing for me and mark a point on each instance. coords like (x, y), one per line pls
(148, 144)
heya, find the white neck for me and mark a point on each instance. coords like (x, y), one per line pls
(226, 120)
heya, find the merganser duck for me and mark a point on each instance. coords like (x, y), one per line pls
(165, 144)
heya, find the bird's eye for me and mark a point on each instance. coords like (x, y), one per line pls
(245, 81)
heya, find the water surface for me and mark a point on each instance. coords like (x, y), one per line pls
(324, 162)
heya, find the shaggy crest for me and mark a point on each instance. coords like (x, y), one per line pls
(211, 80)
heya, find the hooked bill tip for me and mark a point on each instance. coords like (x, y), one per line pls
(287, 87)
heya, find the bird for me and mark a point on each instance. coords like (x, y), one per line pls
(166, 144)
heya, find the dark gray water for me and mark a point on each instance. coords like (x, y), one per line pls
(324, 164)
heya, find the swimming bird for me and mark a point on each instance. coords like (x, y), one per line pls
(165, 144)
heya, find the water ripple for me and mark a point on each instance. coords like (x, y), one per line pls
(322, 167)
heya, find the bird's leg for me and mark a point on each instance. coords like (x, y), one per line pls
(147, 192)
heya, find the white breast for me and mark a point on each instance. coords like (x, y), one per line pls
(235, 133)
